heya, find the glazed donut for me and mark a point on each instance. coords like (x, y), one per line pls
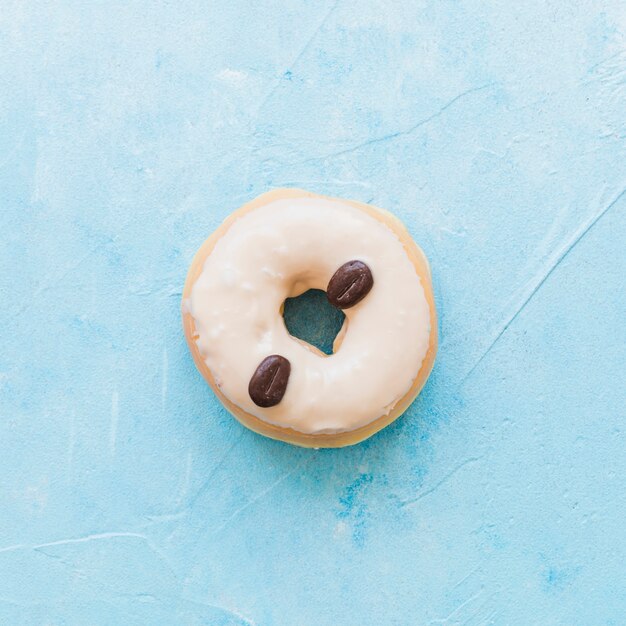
(278, 246)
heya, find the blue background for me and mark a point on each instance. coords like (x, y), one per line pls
(496, 131)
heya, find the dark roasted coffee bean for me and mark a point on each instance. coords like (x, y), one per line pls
(269, 382)
(349, 284)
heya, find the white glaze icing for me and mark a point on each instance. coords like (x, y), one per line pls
(281, 250)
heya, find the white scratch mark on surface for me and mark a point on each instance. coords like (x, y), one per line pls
(446, 478)
(13, 548)
(164, 367)
(88, 538)
(545, 246)
(466, 577)
(620, 55)
(537, 281)
(400, 133)
(262, 494)
(223, 609)
(71, 445)
(315, 33)
(115, 413)
(278, 81)
(235, 77)
(479, 614)
(187, 479)
(446, 620)
(41, 547)
(489, 620)
(464, 604)
(205, 485)
(53, 281)
(301, 52)
(92, 292)
(63, 542)
(49, 283)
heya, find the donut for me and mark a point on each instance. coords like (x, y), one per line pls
(278, 246)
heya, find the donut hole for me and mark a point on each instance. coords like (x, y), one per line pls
(311, 318)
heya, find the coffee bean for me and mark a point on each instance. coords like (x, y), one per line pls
(269, 382)
(349, 284)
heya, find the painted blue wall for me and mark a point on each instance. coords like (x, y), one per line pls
(496, 131)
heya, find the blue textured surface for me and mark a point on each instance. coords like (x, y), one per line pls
(128, 131)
